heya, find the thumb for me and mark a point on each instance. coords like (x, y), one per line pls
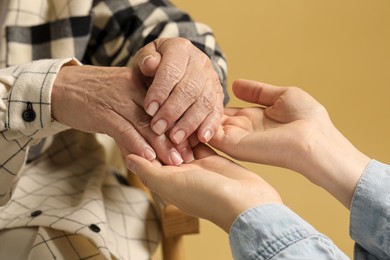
(257, 92)
(148, 59)
(147, 171)
(265, 95)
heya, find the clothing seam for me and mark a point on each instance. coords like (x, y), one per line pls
(301, 235)
(356, 193)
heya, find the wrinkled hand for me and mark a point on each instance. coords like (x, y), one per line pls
(186, 95)
(211, 187)
(109, 100)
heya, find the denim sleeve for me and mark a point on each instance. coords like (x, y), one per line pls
(370, 213)
(275, 232)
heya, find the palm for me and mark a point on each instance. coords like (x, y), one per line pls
(241, 123)
(211, 187)
(249, 134)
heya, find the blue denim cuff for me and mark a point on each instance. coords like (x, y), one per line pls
(370, 210)
(268, 230)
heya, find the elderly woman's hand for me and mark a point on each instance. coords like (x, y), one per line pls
(110, 100)
(185, 95)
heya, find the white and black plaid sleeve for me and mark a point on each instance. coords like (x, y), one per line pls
(25, 115)
(99, 32)
(37, 38)
(121, 28)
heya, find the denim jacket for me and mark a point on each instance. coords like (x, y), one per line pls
(276, 232)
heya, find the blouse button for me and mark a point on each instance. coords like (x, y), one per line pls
(36, 213)
(94, 228)
(29, 114)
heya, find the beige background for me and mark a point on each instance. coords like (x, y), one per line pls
(339, 52)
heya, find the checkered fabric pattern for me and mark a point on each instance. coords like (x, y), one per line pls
(81, 212)
(58, 179)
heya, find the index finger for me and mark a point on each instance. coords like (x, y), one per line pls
(170, 71)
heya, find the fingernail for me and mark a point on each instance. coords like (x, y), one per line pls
(176, 158)
(130, 165)
(187, 155)
(179, 136)
(152, 108)
(149, 154)
(207, 135)
(146, 58)
(160, 126)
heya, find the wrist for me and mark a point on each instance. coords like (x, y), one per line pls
(335, 164)
(58, 92)
(258, 195)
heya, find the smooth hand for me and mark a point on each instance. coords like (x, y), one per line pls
(109, 100)
(292, 130)
(277, 132)
(211, 187)
(185, 97)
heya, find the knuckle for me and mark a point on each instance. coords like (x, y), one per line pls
(189, 91)
(205, 60)
(136, 141)
(128, 137)
(159, 94)
(125, 74)
(191, 125)
(125, 130)
(215, 118)
(184, 43)
(173, 112)
(172, 72)
(207, 102)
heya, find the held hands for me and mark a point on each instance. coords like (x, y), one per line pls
(174, 82)
(110, 100)
(211, 187)
(186, 95)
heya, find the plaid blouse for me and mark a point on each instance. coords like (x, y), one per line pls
(59, 179)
